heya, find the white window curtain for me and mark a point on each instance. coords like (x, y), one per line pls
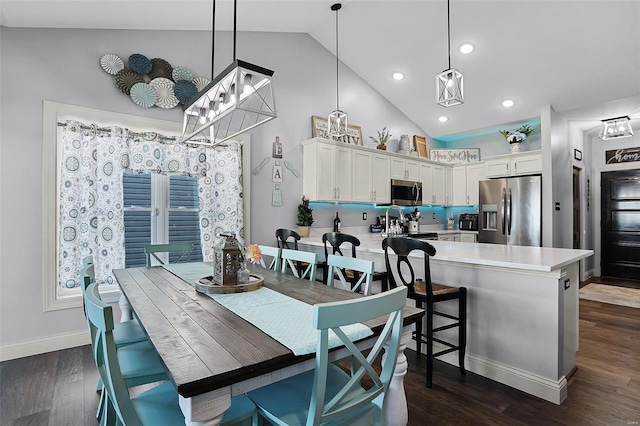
(221, 198)
(91, 197)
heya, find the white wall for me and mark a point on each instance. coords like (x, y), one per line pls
(63, 66)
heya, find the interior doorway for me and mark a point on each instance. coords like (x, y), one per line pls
(577, 225)
(620, 224)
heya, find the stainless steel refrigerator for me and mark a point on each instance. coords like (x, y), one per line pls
(511, 211)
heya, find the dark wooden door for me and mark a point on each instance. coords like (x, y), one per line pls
(620, 212)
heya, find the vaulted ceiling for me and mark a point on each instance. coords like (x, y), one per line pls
(577, 56)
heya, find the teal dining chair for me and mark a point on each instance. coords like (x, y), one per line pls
(183, 249)
(338, 265)
(274, 253)
(140, 363)
(303, 258)
(157, 406)
(328, 394)
(124, 333)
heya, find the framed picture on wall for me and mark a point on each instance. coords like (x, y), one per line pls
(320, 129)
(420, 143)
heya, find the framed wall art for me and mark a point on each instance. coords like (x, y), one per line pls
(320, 129)
(420, 143)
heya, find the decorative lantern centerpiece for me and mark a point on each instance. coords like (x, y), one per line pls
(227, 259)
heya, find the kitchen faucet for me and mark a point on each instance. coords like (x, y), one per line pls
(386, 218)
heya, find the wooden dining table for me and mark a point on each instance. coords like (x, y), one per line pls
(212, 354)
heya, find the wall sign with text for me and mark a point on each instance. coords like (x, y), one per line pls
(455, 156)
(622, 155)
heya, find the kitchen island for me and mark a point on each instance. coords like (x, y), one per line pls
(522, 308)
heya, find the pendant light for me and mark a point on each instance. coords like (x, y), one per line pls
(449, 85)
(337, 119)
(238, 99)
(614, 128)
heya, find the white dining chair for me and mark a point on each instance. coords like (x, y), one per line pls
(338, 264)
(274, 253)
(290, 257)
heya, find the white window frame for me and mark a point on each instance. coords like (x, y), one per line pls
(53, 296)
(160, 211)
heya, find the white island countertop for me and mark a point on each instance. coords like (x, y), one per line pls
(544, 259)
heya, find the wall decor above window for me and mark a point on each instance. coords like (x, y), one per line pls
(152, 82)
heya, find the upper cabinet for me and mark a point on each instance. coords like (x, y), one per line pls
(405, 169)
(371, 177)
(335, 171)
(327, 172)
(433, 181)
(465, 184)
(514, 165)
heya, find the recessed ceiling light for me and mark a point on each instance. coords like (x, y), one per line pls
(466, 48)
(442, 119)
(508, 103)
(398, 75)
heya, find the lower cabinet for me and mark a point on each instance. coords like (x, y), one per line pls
(469, 238)
(460, 237)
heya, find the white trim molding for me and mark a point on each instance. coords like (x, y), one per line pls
(44, 345)
(547, 389)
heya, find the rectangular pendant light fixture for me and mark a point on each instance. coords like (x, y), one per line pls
(238, 99)
(450, 88)
(614, 128)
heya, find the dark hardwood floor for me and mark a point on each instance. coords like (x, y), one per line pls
(58, 388)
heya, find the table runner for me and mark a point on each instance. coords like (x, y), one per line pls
(274, 313)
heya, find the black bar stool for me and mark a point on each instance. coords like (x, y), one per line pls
(426, 294)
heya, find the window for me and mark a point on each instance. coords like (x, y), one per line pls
(159, 209)
(180, 209)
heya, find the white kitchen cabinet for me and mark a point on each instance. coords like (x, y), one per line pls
(468, 238)
(449, 237)
(370, 177)
(514, 165)
(448, 186)
(381, 178)
(465, 184)
(432, 177)
(327, 172)
(404, 169)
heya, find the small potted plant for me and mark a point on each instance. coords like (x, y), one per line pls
(383, 137)
(516, 137)
(305, 217)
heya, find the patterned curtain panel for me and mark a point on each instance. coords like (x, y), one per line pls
(221, 202)
(91, 195)
(91, 214)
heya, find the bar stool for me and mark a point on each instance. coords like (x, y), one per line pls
(336, 239)
(426, 294)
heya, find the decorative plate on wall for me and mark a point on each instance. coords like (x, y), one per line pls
(181, 73)
(200, 82)
(164, 90)
(126, 78)
(185, 91)
(111, 63)
(140, 63)
(160, 68)
(143, 95)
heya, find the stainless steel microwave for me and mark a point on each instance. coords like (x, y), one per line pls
(406, 192)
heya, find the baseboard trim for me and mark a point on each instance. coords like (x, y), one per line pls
(546, 389)
(44, 345)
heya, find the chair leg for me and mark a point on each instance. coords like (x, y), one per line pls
(429, 344)
(418, 330)
(462, 329)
